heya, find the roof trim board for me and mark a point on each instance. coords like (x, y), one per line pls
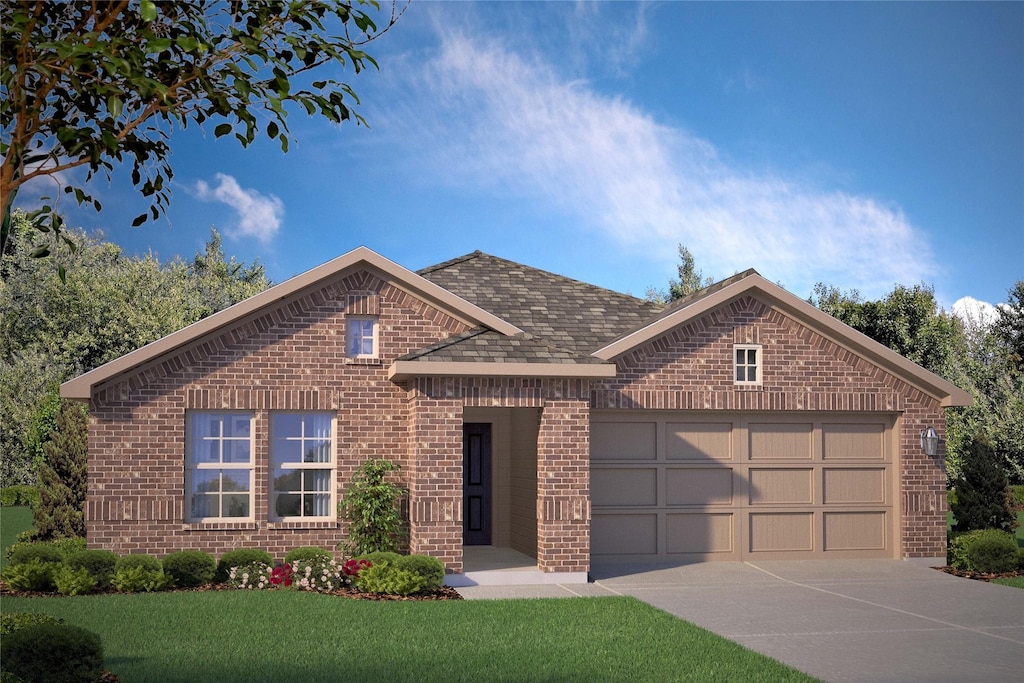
(407, 369)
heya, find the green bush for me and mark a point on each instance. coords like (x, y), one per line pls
(71, 581)
(374, 558)
(308, 553)
(982, 492)
(430, 568)
(371, 507)
(34, 575)
(190, 568)
(100, 564)
(9, 623)
(1020, 559)
(237, 558)
(19, 495)
(139, 579)
(386, 578)
(318, 574)
(250, 575)
(995, 552)
(1017, 497)
(55, 653)
(19, 553)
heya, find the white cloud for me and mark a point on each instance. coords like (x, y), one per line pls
(259, 215)
(482, 116)
(977, 316)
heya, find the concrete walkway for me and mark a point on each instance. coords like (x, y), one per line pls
(855, 620)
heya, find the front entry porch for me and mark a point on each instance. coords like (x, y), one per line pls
(487, 565)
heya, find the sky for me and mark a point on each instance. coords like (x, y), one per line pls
(861, 145)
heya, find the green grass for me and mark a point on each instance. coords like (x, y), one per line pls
(13, 521)
(229, 636)
(1016, 581)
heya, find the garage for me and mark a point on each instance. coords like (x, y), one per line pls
(709, 485)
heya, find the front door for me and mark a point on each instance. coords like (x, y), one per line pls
(476, 484)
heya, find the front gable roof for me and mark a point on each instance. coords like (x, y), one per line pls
(750, 283)
(80, 388)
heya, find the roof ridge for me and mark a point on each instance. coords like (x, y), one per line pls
(451, 262)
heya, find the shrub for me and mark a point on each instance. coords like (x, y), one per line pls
(147, 562)
(71, 581)
(389, 579)
(1020, 559)
(1017, 497)
(9, 623)
(62, 476)
(430, 568)
(250, 575)
(56, 653)
(318, 575)
(308, 553)
(981, 492)
(993, 552)
(20, 553)
(137, 579)
(34, 575)
(100, 564)
(190, 568)
(19, 495)
(370, 505)
(380, 557)
(237, 558)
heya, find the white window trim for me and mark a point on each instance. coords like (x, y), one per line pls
(375, 339)
(191, 467)
(331, 465)
(758, 365)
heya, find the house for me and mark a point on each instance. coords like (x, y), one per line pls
(528, 411)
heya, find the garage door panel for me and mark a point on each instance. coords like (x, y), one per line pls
(853, 441)
(699, 486)
(855, 531)
(699, 441)
(699, 533)
(854, 485)
(623, 440)
(777, 485)
(624, 486)
(624, 534)
(770, 441)
(778, 532)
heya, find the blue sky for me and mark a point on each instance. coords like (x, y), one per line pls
(861, 145)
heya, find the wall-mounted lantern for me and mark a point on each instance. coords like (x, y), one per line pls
(930, 441)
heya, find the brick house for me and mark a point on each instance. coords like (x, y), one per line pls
(528, 411)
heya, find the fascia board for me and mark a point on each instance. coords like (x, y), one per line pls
(408, 369)
(80, 388)
(834, 330)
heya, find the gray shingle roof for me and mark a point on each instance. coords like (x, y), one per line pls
(565, 320)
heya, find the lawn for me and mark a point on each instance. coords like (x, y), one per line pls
(13, 521)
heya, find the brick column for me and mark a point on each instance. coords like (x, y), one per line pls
(563, 487)
(435, 479)
(923, 503)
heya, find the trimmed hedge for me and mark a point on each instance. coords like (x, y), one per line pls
(55, 653)
(190, 568)
(429, 568)
(983, 550)
(100, 564)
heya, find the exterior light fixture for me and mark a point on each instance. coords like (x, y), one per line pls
(930, 441)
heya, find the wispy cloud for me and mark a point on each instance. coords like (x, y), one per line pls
(259, 215)
(491, 118)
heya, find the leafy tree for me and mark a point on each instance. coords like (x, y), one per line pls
(690, 280)
(95, 84)
(982, 495)
(1009, 326)
(370, 505)
(62, 476)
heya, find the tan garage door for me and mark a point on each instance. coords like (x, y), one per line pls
(721, 486)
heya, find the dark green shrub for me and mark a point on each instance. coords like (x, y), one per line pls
(34, 575)
(1017, 497)
(190, 568)
(1020, 559)
(982, 496)
(9, 623)
(386, 578)
(236, 558)
(62, 476)
(993, 552)
(20, 553)
(19, 495)
(138, 579)
(100, 564)
(380, 557)
(308, 553)
(71, 581)
(147, 562)
(370, 505)
(430, 568)
(55, 653)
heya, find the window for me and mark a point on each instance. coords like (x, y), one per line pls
(302, 466)
(748, 364)
(219, 472)
(361, 337)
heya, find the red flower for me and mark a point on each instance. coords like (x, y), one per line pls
(353, 567)
(282, 573)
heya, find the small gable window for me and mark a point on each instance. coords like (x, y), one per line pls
(748, 364)
(361, 337)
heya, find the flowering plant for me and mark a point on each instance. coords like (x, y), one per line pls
(351, 568)
(318, 575)
(253, 575)
(282, 575)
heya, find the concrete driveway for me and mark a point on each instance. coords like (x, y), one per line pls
(855, 620)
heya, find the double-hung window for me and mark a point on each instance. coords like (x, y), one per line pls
(220, 466)
(302, 466)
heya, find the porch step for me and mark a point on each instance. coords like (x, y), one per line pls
(513, 577)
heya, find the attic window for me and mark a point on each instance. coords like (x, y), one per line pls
(361, 336)
(747, 364)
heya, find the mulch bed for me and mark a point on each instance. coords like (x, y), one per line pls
(979, 576)
(442, 593)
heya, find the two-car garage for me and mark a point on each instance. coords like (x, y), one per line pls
(710, 485)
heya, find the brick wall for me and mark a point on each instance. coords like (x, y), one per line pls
(563, 487)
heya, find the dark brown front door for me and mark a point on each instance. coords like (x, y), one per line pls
(476, 484)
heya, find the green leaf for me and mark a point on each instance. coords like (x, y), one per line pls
(139, 220)
(222, 129)
(114, 106)
(272, 130)
(148, 10)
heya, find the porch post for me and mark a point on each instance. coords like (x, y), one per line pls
(435, 480)
(563, 487)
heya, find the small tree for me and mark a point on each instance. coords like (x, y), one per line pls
(371, 508)
(982, 494)
(62, 477)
